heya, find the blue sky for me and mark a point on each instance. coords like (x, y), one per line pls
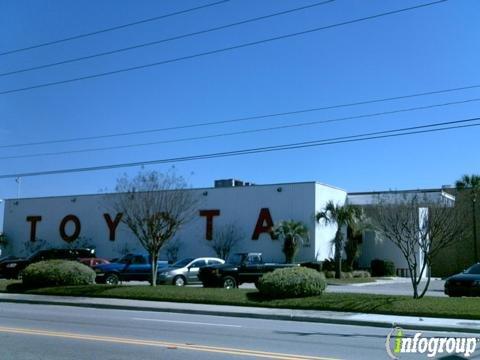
(431, 48)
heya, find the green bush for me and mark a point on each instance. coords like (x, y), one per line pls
(360, 274)
(382, 268)
(292, 282)
(329, 274)
(57, 273)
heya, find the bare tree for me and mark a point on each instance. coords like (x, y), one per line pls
(419, 227)
(172, 248)
(225, 239)
(154, 207)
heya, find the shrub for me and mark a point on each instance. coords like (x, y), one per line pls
(292, 282)
(57, 273)
(329, 274)
(382, 268)
(360, 274)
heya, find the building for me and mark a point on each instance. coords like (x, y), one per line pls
(87, 220)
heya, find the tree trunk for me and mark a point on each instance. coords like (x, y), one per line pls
(413, 279)
(154, 257)
(426, 285)
(338, 254)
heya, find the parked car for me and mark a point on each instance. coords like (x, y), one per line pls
(467, 283)
(240, 268)
(136, 267)
(93, 261)
(11, 269)
(185, 271)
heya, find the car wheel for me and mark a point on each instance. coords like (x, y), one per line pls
(229, 282)
(179, 281)
(112, 279)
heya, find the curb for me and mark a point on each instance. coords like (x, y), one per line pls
(291, 317)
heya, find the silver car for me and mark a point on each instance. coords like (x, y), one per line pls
(185, 271)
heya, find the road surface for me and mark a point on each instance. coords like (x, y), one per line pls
(50, 332)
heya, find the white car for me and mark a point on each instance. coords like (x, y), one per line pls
(185, 271)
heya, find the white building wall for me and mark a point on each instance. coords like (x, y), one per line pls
(238, 205)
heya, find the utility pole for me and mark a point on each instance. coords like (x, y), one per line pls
(18, 180)
(474, 203)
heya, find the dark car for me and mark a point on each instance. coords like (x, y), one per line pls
(131, 267)
(11, 269)
(240, 268)
(467, 283)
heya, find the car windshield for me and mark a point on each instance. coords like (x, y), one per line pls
(236, 259)
(475, 269)
(183, 262)
(125, 260)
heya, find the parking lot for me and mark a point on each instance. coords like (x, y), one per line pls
(396, 286)
(393, 286)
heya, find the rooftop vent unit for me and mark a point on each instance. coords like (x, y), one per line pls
(231, 183)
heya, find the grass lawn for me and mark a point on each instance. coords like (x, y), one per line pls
(467, 308)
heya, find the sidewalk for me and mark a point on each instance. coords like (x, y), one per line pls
(346, 318)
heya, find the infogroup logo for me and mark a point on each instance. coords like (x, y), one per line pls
(398, 343)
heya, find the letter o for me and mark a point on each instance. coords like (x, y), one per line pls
(76, 232)
(422, 345)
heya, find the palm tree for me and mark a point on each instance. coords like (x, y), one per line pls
(341, 215)
(293, 233)
(471, 183)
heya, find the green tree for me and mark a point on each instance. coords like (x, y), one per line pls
(340, 215)
(293, 233)
(471, 184)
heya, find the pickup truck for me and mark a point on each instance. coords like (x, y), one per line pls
(130, 267)
(240, 268)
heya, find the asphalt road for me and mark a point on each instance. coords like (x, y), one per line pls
(30, 332)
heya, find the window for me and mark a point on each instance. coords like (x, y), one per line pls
(254, 259)
(138, 260)
(126, 259)
(214, 262)
(475, 269)
(199, 263)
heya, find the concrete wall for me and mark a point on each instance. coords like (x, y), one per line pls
(239, 206)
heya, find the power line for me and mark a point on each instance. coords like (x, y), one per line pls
(178, 37)
(221, 50)
(339, 140)
(143, 21)
(242, 119)
(242, 132)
